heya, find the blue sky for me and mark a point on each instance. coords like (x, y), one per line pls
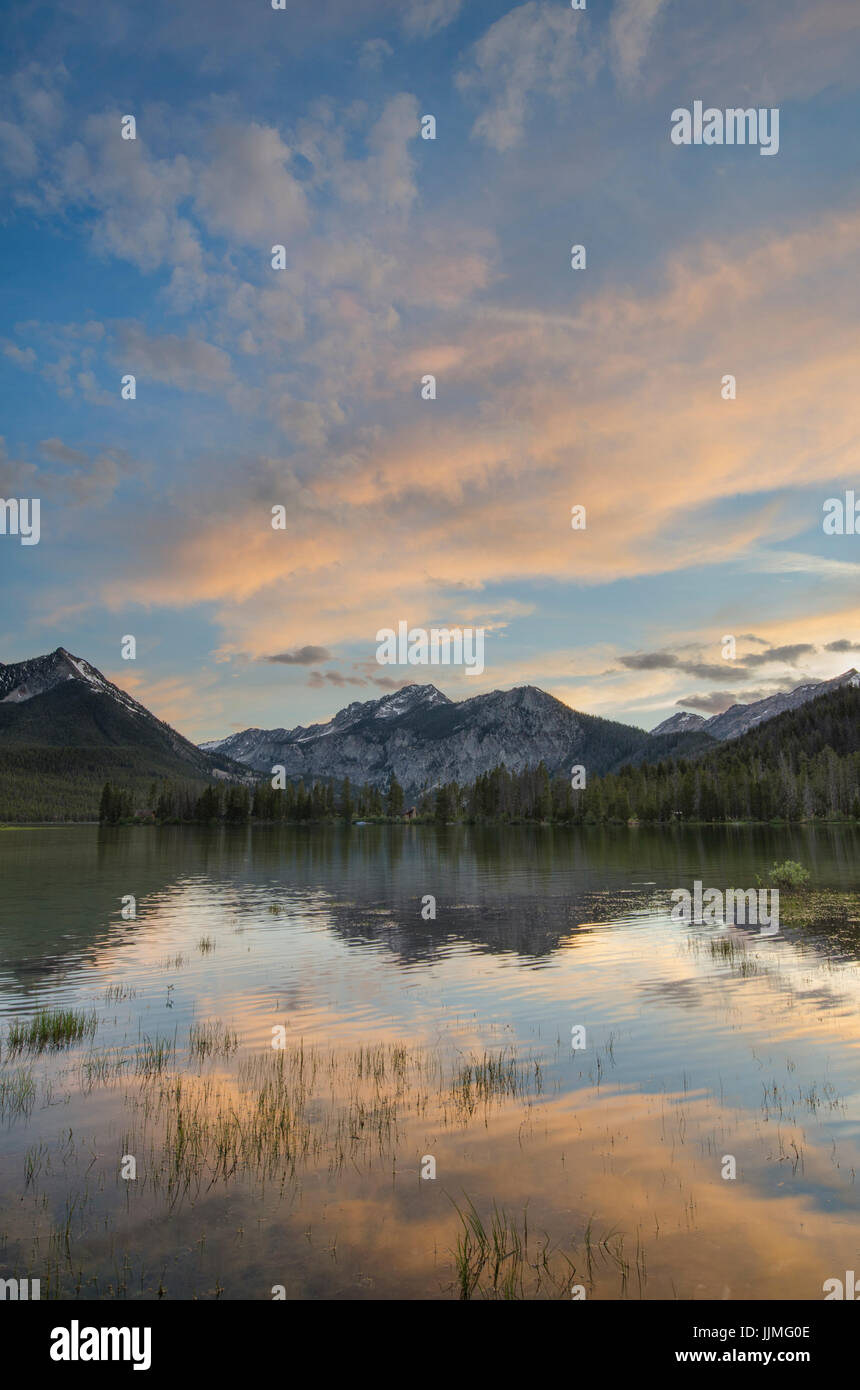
(450, 256)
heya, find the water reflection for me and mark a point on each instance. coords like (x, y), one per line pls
(700, 1044)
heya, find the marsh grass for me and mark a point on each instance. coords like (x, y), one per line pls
(17, 1093)
(211, 1039)
(51, 1029)
(103, 1068)
(496, 1262)
(115, 994)
(286, 1109)
(154, 1056)
(492, 1079)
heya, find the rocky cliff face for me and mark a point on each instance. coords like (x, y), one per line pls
(425, 739)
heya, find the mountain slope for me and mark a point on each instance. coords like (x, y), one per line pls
(803, 764)
(682, 723)
(424, 738)
(65, 730)
(739, 719)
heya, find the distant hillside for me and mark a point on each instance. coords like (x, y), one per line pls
(65, 730)
(799, 765)
(670, 745)
(739, 719)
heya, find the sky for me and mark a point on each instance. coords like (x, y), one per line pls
(601, 387)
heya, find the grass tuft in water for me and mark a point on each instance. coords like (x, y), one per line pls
(51, 1028)
(211, 1039)
(495, 1263)
(17, 1093)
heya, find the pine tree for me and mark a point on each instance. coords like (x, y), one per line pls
(394, 800)
(442, 805)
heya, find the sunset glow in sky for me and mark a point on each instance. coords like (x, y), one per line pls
(405, 256)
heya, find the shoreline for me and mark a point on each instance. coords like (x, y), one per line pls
(430, 820)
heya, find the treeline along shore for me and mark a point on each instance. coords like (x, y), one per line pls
(803, 766)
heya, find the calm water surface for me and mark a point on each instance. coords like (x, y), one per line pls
(302, 1168)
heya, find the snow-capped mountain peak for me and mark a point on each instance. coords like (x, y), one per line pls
(24, 680)
(684, 722)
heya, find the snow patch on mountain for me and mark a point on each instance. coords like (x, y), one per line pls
(684, 723)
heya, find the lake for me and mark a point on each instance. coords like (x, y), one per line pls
(278, 1051)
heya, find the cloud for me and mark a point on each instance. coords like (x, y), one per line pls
(788, 654)
(22, 357)
(421, 18)
(305, 656)
(373, 53)
(58, 452)
(134, 196)
(246, 190)
(188, 363)
(454, 497)
(708, 670)
(534, 51)
(631, 27)
(842, 645)
(81, 480)
(433, 505)
(669, 661)
(317, 679)
(717, 701)
(18, 151)
(649, 661)
(320, 680)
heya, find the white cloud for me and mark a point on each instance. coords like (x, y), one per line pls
(22, 357)
(421, 18)
(247, 191)
(536, 50)
(372, 54)
(631, 26)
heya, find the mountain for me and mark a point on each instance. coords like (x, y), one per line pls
(739, 719)
(65, 730)
(661, 747)
(682, 723)
(801, 765)
(426, 739)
